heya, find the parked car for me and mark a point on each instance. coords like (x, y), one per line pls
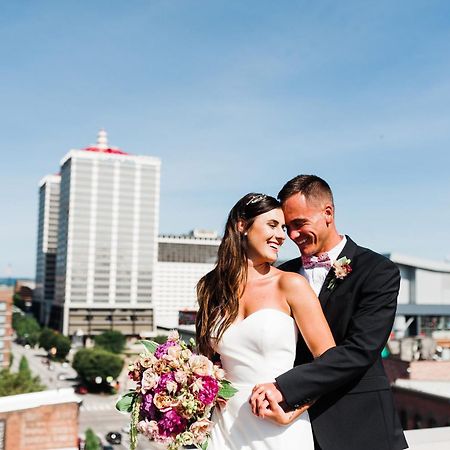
(114, 437)
(82, 390)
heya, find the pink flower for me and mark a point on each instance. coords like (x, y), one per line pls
(171, 423)
(148, 409)
(163, 348)
(148, 429)
(200, 429)
(149, 380)
(181, 377)
(167, 383)
(208, 390)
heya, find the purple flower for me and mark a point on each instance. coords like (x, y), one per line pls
(148, 410)
(163, 380)
(209, 390)
(171, 423)
(162, 348)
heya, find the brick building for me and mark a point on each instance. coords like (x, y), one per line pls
(6, 294)
(40, 420)
(421, 392)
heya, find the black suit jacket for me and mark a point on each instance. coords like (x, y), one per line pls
(354, 408)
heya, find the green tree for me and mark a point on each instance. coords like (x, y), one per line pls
(91, 440)
(19, 301)
(91, 363)
(24, 367)
(21, 382)
(111, 340)
(27, 329)
(47, 338)
(62, 345)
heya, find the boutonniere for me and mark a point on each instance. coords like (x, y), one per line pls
(341, 269)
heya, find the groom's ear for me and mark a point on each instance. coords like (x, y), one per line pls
(329, 214)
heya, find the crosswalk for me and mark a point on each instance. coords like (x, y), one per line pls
(97, 406)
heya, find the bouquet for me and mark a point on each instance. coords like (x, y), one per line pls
(176, 390)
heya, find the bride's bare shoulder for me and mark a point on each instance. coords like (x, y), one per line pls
(290, 280)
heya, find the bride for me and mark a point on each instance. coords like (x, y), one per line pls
(250, 314)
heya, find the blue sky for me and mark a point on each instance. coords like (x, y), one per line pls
(235, 96)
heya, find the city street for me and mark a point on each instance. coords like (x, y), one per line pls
(97, 411)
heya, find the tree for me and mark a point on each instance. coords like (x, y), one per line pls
(93, 364)
(21, 382)
(47, 338)
(92, 441)
(19, 302)
(62, 345)
(24, 367)
(111, 340)
(27, 329)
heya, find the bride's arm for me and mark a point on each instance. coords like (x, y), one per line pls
(307, 312)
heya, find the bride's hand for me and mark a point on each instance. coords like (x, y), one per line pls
(276, 414)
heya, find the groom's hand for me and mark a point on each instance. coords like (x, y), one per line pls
(276, 414)
(259, 400)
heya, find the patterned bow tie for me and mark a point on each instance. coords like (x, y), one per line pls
(311, 262)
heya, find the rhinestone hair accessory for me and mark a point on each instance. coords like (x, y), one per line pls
(256, 198)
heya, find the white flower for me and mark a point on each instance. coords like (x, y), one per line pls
(149, 380)
(200, 365)
(173, 335)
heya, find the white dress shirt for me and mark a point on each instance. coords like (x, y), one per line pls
(317, 275)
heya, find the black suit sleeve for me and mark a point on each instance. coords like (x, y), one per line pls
(367, 334)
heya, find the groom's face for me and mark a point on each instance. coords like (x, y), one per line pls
(307, 224)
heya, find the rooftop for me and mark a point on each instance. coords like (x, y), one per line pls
(438, 388)
(36, 399)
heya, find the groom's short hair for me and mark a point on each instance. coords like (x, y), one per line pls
(312, 187)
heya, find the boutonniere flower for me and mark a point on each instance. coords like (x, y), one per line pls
(341, 268)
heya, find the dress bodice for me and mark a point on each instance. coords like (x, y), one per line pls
(258, 348)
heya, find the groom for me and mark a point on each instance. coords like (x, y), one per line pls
(357, 288)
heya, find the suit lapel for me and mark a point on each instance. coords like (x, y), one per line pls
(348, 251)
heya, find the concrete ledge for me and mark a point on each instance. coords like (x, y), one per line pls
(429, 439)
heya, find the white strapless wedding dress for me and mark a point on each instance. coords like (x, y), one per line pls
(256, 350)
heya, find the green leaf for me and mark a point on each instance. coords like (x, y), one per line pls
(205, 445)
(125, 403)
(150, 346)
(226, 390)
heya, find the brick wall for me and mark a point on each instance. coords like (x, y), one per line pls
(417, 370)
(429, 370)
(48, 427)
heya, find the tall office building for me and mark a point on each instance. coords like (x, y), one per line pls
(182, 261)
(44, 291)
(107, 241)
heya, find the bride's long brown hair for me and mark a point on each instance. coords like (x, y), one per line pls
(219, 291)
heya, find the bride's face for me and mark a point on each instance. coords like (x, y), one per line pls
(265, 236)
